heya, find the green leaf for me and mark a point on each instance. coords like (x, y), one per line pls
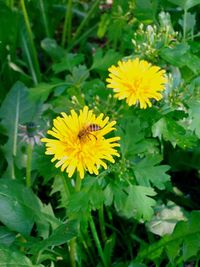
(61, 235)
(81, 203)
(16, 109)
(68, 63)
(8, 18)
(20, 208)
(133, 140)
(148, 174)
(6, 236)
(18, 205)
(61, 186)
(180, 56)
(10, 257)
(78, 76)
(132, 201)
(183, 242)
(103, 62)
(170, 130)
(194, 114)
(185, 4)
(51, 47)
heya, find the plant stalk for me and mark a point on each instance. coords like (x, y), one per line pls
(30, 36)
(97, 241)
(102, 223)
(86, 19)
(67, 24)
(28, 164)
(72, 242)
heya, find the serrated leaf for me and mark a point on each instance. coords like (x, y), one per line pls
(194, 114)
(68, 62)
(133, 201)
(81, 203)
(184, 241)
(170, 130)
(13, 258)
(103, 62)
(185, 4)
(148, 174)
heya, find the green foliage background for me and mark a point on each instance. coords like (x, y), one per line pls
(143, 210)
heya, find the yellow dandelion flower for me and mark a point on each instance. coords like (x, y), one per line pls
(137, 81)
(79, 142)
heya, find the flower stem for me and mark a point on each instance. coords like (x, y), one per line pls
(78, 183)
(30, 36)
(184, 24)
(72, 242)
(67, 24)
(102, 223)
(72, 251)
(28, 164)
(97, 241)
(87, 18)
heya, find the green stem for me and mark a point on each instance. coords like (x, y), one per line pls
(10, 3)
(72, 251)
(28, 164)
(72, 243)
(67, 24)
(78, 183)
(86, 19)
(30, 36)
(102, 223)
(97, 241)
(184, 24)
(44, 17)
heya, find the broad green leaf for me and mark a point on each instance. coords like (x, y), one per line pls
(6, 236)
(146, 10)
(18, 206)
(103, 62)
(183, 242)
(176, 55)
(185, 4)
(10, 257)
(51, 47)
(181, 56)
(16, 109)
(147, 173)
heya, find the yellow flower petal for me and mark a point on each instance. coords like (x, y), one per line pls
(137, 81)
(86, 152)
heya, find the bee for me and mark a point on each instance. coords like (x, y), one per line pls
(87, 131)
